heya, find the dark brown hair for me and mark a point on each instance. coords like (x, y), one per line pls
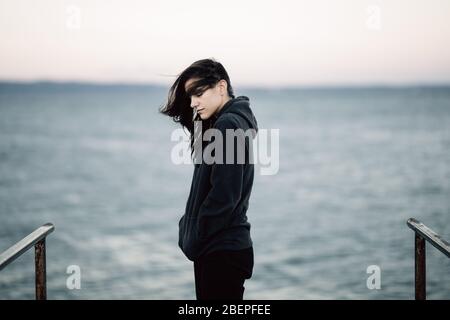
(208, 73)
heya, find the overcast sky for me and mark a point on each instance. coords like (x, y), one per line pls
(267, 43)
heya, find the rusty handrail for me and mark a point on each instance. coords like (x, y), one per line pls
(36, 239)
(422, 234)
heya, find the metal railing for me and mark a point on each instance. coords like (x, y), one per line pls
(423, 233)
(36, 239)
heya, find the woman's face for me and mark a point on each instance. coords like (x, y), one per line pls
(210, 101)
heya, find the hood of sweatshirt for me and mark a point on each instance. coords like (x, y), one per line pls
(240, 106)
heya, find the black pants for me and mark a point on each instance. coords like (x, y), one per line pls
(221, 274)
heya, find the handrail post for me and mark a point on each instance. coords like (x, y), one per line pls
(422, 234)
(35, 239)
(420, 276)
(40, 270)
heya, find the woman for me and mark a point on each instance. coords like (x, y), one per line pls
(214, 232)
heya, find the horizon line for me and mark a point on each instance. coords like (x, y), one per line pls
(342, 85)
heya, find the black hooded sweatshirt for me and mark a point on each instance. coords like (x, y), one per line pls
(215, 215)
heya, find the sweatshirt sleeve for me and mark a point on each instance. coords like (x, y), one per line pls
(216, 211)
